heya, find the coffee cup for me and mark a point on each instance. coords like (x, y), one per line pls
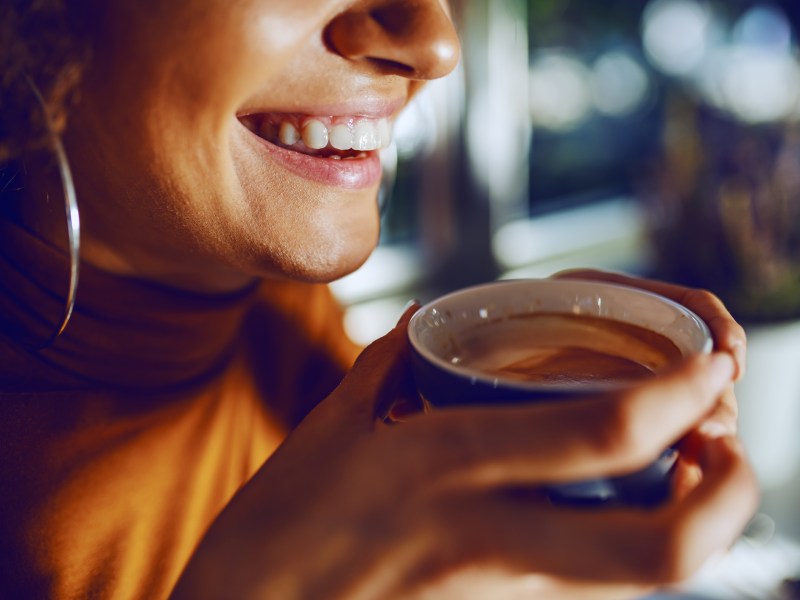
(549, 340)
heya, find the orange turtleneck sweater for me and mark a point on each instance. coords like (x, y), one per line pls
(121, 442)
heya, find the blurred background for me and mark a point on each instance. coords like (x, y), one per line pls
(657, 137)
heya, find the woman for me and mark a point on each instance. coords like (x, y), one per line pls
(225, 160)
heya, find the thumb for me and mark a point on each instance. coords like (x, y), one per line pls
(381, 375)
(673, 403)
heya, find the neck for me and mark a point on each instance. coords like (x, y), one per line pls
(124, 333)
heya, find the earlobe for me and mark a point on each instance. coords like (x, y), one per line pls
(411, 38)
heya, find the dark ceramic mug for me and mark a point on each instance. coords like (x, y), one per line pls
(445, 332)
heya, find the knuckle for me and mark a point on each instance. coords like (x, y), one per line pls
(704, 299)
(738, 331)
(741, 332)
(701, 297)
(725, 326)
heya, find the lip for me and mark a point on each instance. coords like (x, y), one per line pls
(351, 174)
(366, 106)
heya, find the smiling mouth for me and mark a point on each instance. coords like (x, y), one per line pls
(336, 138)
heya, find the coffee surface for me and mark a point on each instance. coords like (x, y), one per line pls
(551, 348)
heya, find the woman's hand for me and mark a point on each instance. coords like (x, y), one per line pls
(444, 505)
(727, 333)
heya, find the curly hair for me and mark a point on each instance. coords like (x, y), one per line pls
(43, 40)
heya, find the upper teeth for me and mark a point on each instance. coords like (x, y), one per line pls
(288, 134)
(315, 134)
(352, 133)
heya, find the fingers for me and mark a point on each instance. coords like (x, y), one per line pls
(712, 516)
(404, 408)
(482, 582)
(571, 440)
(686, 475)
(380, 377)
(612, 546)
(728, 335)
(723, 420)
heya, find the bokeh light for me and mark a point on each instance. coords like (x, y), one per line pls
(760, 86)
(749, 70)
(560, 97)
(619, 84)
(676, 34)
(764, 26)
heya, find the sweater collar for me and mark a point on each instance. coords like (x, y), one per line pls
(124, 333)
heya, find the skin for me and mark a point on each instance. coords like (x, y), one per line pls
(184, 197)
(441, 505)
(427, 508)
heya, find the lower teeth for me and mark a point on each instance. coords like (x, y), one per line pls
(355, 157)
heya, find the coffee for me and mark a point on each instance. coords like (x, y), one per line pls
(545, 341)
(563, 349)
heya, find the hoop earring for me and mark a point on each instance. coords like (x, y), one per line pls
(72, 214)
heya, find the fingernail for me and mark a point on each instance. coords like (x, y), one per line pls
(409, 304)
(731, 443)
(740, 355)
(714, 429)
(714, 560)
(721, 369)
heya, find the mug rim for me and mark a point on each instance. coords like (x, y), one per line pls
(479, 377)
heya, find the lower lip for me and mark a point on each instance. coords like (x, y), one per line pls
(353, 174)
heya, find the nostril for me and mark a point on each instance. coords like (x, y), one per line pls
(354, 37)
(349, 34)
(392, 66)
(410, 38)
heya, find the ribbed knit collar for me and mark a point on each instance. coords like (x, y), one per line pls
(124, 333)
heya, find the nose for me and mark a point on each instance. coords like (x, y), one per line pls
(412, 38)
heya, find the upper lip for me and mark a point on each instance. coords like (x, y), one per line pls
(370, 107)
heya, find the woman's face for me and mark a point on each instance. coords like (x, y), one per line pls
(220, 139)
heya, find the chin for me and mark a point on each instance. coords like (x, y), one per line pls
(321, 257)
(320, 268)
(327, 273)
(338, 241)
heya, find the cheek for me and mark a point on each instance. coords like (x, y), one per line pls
(172, 144)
